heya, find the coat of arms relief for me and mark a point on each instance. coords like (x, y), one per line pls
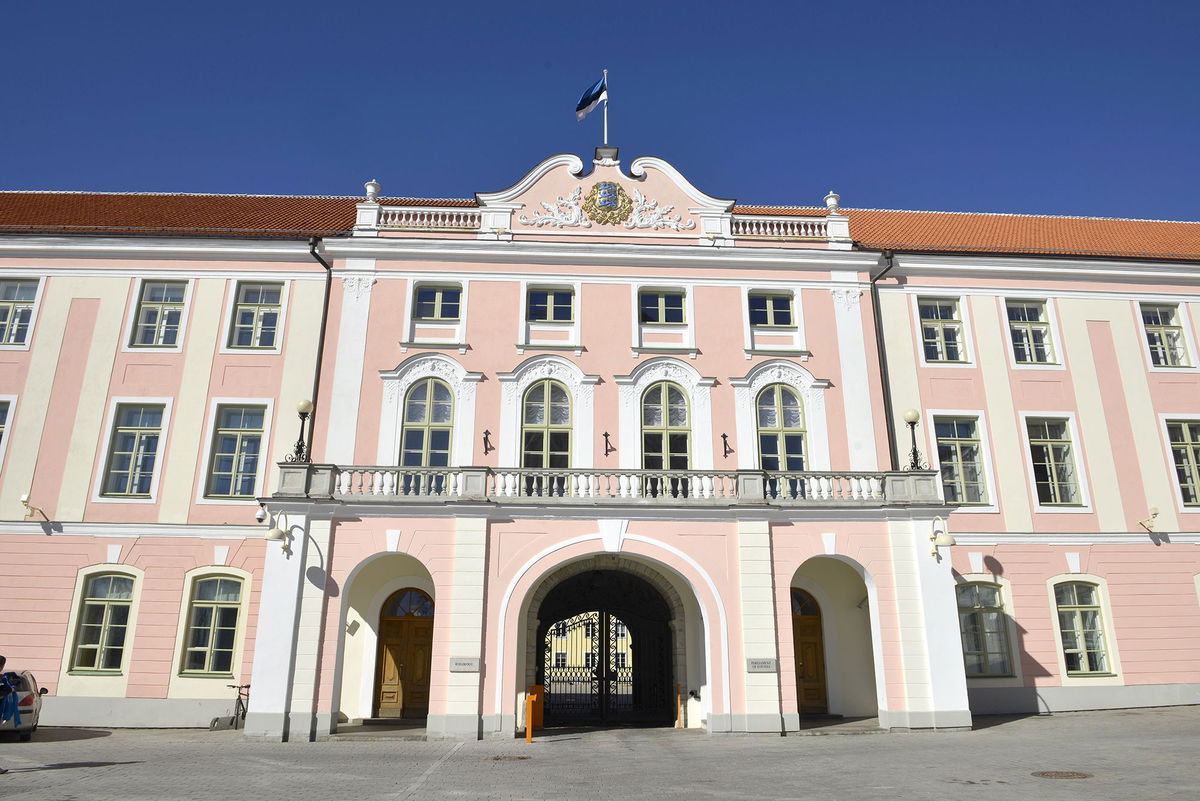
(607, 203)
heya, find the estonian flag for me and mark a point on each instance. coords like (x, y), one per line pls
(591, 98)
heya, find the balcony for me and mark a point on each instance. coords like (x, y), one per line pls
(376, 484)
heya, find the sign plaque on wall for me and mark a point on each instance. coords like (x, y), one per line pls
(761, 666)
(464, 664)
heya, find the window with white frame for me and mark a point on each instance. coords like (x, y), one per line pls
(560, 629)
(159, 314)
(619, 630)
(560, 659)
(3, 421)
(1081, 623)
(211, 636)
(1029, 329)
(771, 310)
(16, 310)
(550, 305)
(439, 304)
(941, 330)
(984, 627)
(1054, 469)
(1185, 453)
(589, 659)
(960, 458)
(236, 447)
(661, 307)
(133, 450)
(622, 660)
(103, 620)
(256, 316)
(1164, 335)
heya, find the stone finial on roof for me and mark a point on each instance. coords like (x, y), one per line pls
(372, 186)
(831, 200)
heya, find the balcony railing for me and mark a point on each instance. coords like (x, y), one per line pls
(787, 228)
(375, 484)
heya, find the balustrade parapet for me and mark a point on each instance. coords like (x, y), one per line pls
(596, 486)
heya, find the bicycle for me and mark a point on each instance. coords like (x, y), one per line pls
(238, 719)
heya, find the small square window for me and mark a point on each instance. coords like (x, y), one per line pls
(159, 314)
(437, 303)
(662, 308)
(941, 330)
(16, 310)
(1164, 335)
(771, 310)
(550, 305)
(256, 316)
(1030, 332)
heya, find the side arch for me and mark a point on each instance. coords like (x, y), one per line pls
(579, 384)
(698, 390)
(812, 393)
(396, 384)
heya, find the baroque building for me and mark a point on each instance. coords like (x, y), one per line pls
(672, 459)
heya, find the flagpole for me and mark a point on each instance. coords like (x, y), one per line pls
(605, 107)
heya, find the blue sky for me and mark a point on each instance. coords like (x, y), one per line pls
(1087, 108)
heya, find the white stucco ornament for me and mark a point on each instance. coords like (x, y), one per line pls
(648, 214)
(565, 212)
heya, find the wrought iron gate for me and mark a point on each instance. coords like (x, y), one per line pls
(589, 669)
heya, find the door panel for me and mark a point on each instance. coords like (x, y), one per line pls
(404, 668)
(391, 689)
(810, 664)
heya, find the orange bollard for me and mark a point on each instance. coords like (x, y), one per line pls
(678, 707)
(538, 691)
(529, 718)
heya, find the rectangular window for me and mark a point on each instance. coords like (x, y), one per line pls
(960, 457)
(941, 330)
(212, 626)
(1164, 335)
(1053, 457)
(133, 450)
(159, 314)
(550, 305)
(256, 316)
(661, 307)
(560, 629)
(437, 303)
(236, 447)
(1185, 453)
(103, 618)
(984, 629)
(618, 628)
(1030, 332)
(771, 310)
(622, 659)
(589, 659)
(3, 421)
(16, 310)
(560, 659)
(1081, 624)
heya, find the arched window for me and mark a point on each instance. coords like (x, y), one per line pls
(103, 618)
(1081, 624)
(984, 628)
(546, 434)
(408, 603)
(666, 436)
(428, 421)
(780, 429)
(211, 637)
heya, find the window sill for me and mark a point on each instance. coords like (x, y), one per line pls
(461, 347)
(1070, 675)
(524, 346)
(222, 676)
(96, 673)
(802, 355)
(691, 353)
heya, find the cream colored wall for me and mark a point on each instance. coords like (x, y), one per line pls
(299, 364)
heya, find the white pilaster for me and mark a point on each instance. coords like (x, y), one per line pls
(275, 632)
(461, 690)
(310, 622)
(759, 635)
(856, 389)
(348, 363)
(935, 683)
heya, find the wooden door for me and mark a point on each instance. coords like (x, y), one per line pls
(810, 654)
(405, 649)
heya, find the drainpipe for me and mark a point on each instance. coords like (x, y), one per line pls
(312, 420)
(884, 376)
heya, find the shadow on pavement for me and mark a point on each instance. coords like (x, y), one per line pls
(62, 735)
(990, 721)
(72, 766)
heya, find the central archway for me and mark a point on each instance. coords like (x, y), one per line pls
(605, 654)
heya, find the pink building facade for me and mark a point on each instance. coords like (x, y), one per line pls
(673, 460)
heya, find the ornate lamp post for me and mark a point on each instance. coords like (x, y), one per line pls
(911, 417)
(300, 451)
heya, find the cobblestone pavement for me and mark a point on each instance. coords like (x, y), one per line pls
(1142, 754)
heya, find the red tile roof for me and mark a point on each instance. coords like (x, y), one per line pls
(295, 216)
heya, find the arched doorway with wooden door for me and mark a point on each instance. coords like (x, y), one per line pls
(809, 642)
(403, 655)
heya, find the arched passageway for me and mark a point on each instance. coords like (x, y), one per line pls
(605, 654)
